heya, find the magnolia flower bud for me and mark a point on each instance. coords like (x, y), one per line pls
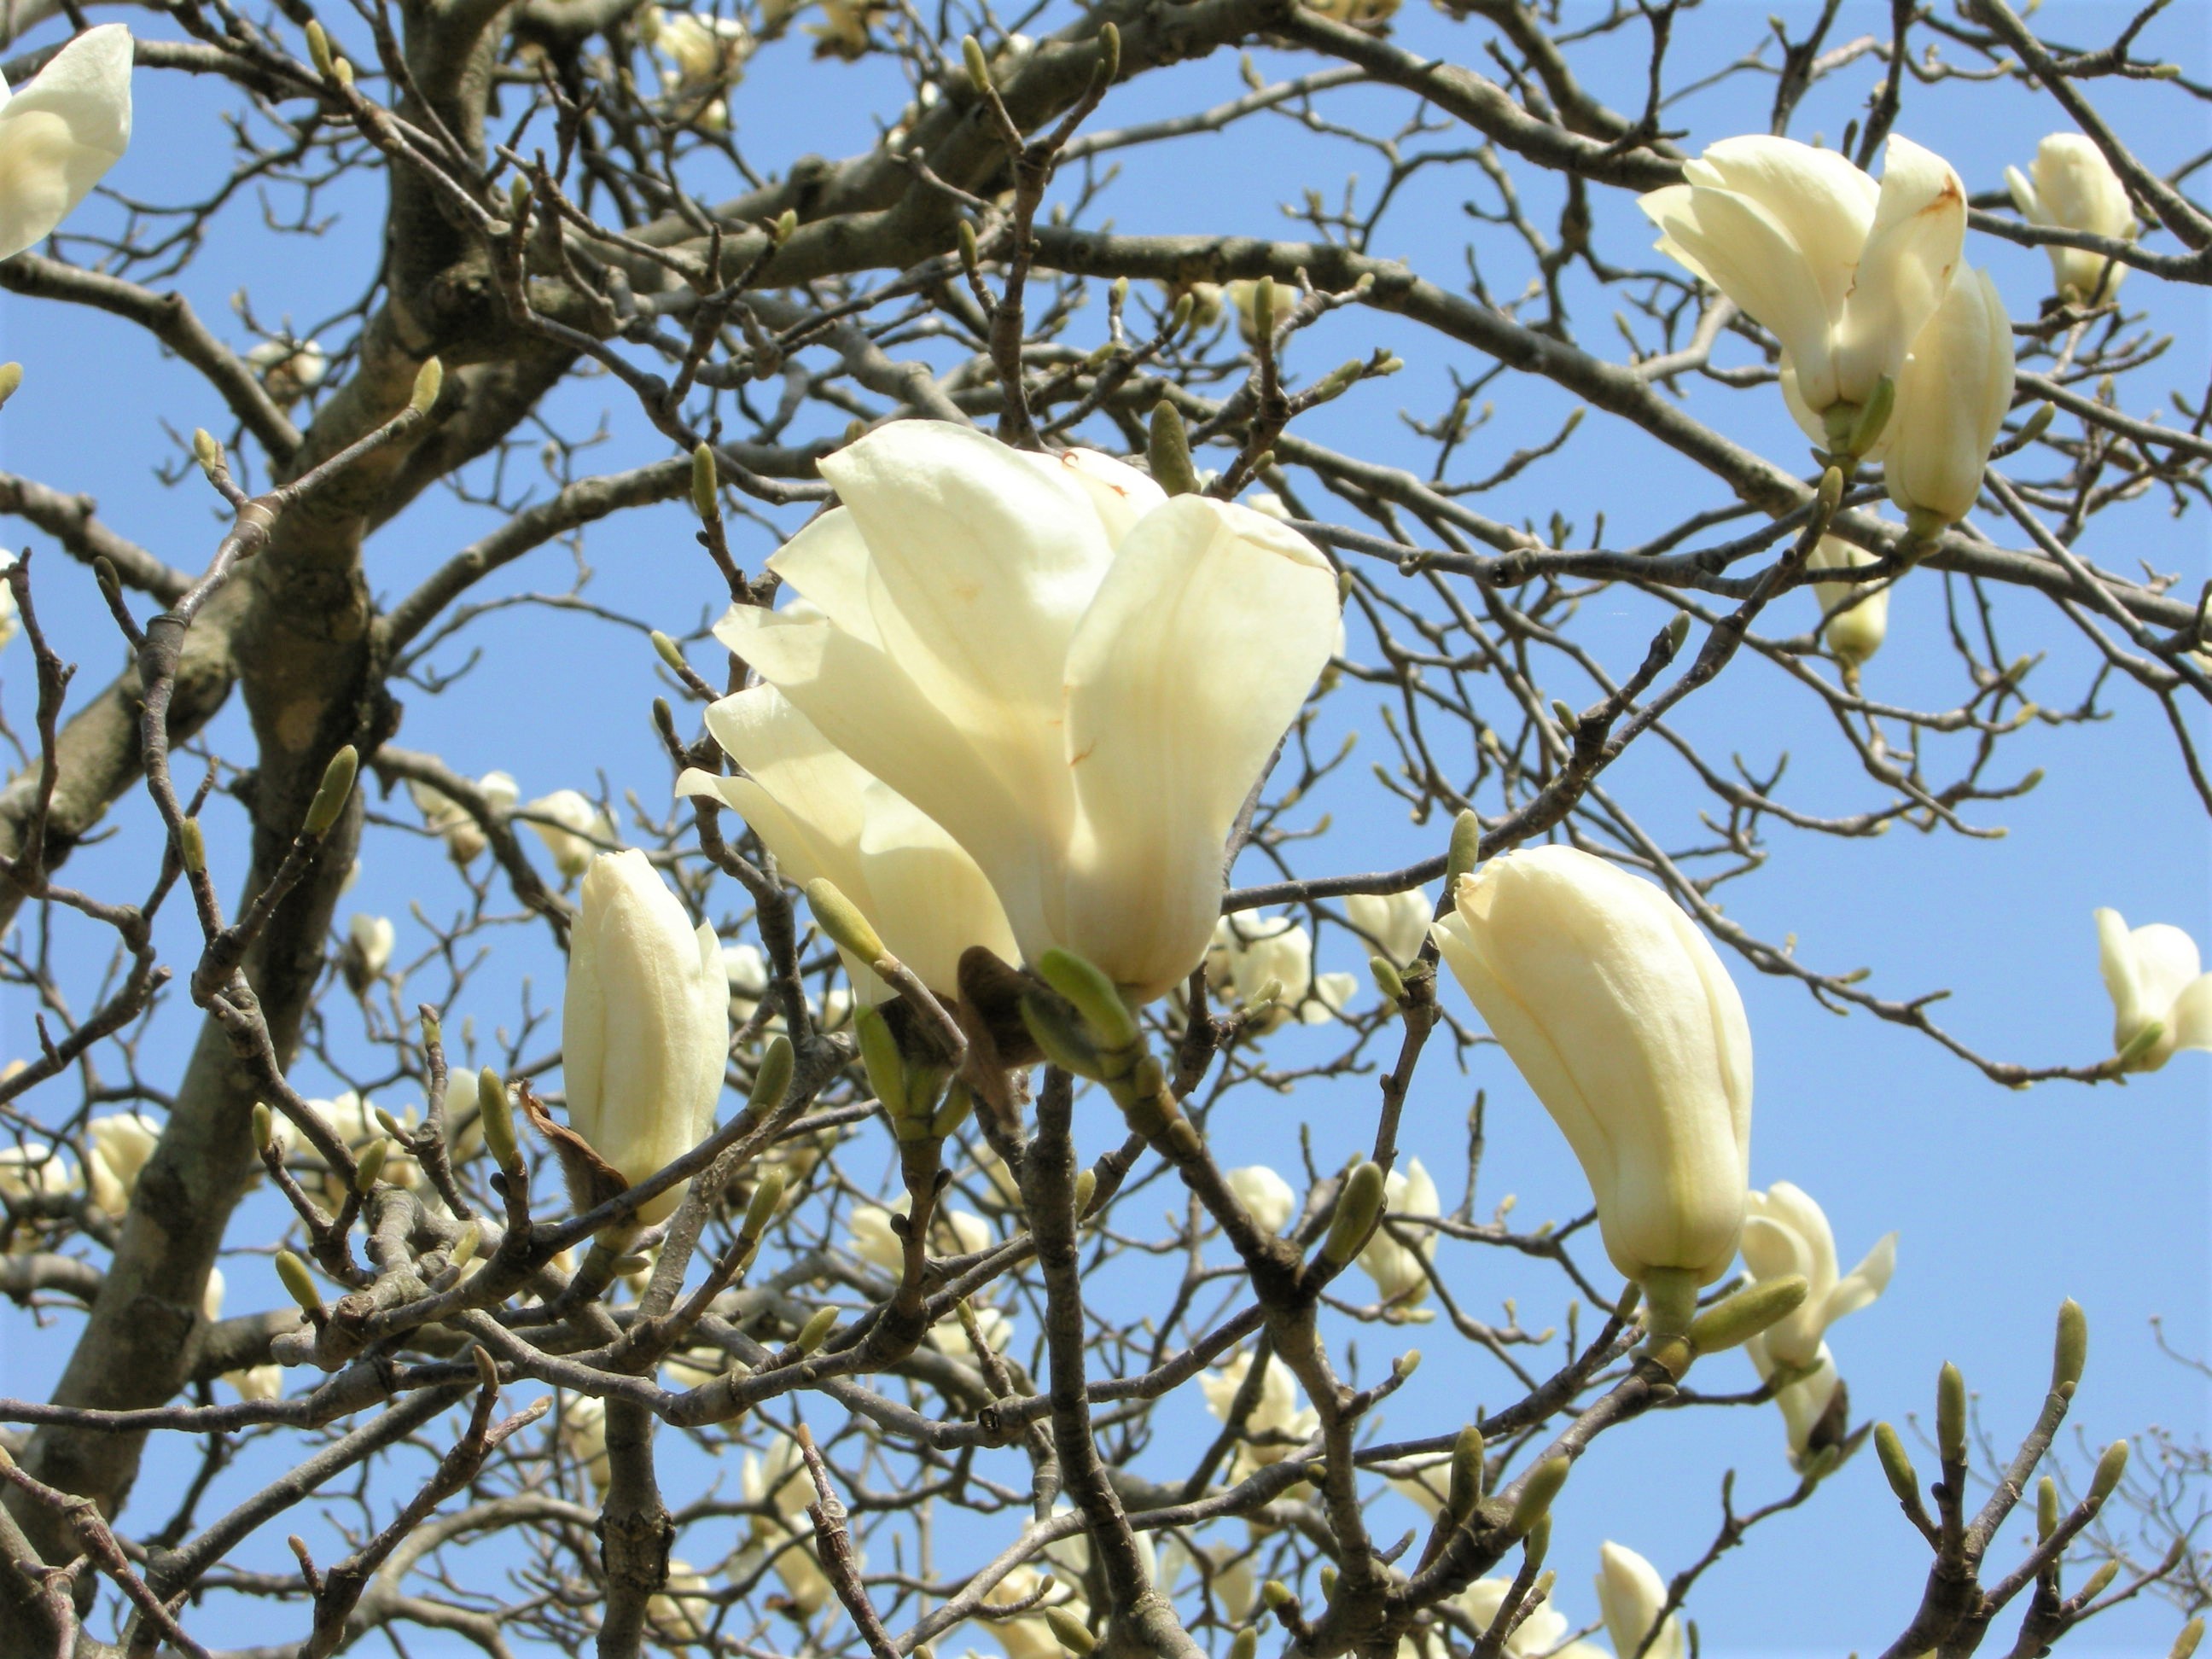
(1146, 656)
(706, 51)
(1952, 396)
(1265, 1194)
(1626, 1024)
(1278, 1424)
(645, 1030)
(62, 132)
(2074, 188)
(1856, 633)
(1845, 272)
(2161, 1000)
(367, 952)
(1630, 1594)
(121, 1143)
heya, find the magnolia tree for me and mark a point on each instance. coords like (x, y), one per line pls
(864, 1251)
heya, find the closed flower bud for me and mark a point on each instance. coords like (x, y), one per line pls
(1843, 270)
(645, 1030)
(367, 952)
(572, 829)
(2071, 185)
(1627, 1027)
(1855, 614)
(2162, 998)
(1952, 396)
(1146, 655)
(1630, 1594)
(62, 132)
(1266, 1194)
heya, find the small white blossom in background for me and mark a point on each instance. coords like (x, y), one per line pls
(578, 831)
(584, 1437)
(681, 1612)
(1250, 953)
(289, 369)
(1265, 1194)
(1276, 1420)
(366, 952)
(707, 52)
(444, 816)
(354, 1120)
(780, 1482)
(1856, 634)
(2161, 997)
(1537, 1636)
(121, 1142)
(875, 1243)
(1630, 1594)
(28, 1174)
(2072, 186)
(1397, 922)
(1400, 1279)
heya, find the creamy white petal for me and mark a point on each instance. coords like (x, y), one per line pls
(62, 132)
(1919, 230)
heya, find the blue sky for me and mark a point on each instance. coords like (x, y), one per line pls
(2005, 1202)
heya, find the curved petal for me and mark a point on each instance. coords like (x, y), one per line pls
(1749, 256)
(930, 901)
(2189, 1025)
(2165, 962)
(2116, 959)
(1119, 494)
(62, 132)
(1824, 205)
(1203, 644)
(2025, 197)
(1919, 230)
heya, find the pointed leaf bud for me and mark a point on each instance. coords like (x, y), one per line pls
(11, 379)
(706, 485)
(1740, 1317)
(1086, 1188)
(1357, 1209)
(840, 918)
(192, 847)
(1466, 848)
(206, 451)
(1169, 449)
(430, 381)
(2185, 1644)
(880, 1058)
(497, 1117)
(1903, 1479)
(1245, 1644)
(319, 47)
(670, 652)
(1538, 1488)
(816, 1331)
(1537, 1545)
(767, 1196)
(372, 1158)
(2038, 423)
(1951, 1415)
(1093, 994)
(1830, 495)
(2047, 1509)
(2109, 1467)
(1677, 629)
(2098, 1582)
(466, 1246)
(299, 1283)
(2071, 1350)
(771, 1078)
(1466, 1473)
(1071, 1632)
(331, 793)
(979, 67)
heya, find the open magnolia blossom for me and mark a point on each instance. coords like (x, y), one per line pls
(826, 818)
(682, 1612)
(2072, 186)
(1536, 1637)
(1077, 677)
(1028, 1635)
(1785, 1232)
(257, 1382)
(61, 133)
(1278, 1424)
(354, 1120)
(578, 829)
(1952, 396)
(780, 1483)
(289, 369)
(645, 1028)
(121, 1142)
(2161, 997)
(707, 52)
(1226, 1570)
(1855, 616)
(1622, 1018)
(1265, 1194)
(1844, 271)
(1397, 922)
(1401, 1282)
(1630, 1593)
(444, 816)
(1812, 1407)
(1251, 954)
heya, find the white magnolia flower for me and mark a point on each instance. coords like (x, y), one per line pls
(1278, 1422)
(644, 1028)
(875, 1243)
(1077, 677)
(681, 1612)
(366, 952)
(1630, 1593)
(1265, 1194)
(61, 133)
(121, 1143)
(1622, 1018)
(11, 621)
(949, 1336)
(1843, 270)
(1225, 1570)
(1807, 1405)
(442, 815)
(825, 818)
(1397, 922)
(2074, 188)
(258, 1381)
(707, 52)
(1854, 634)
(289, 369)
(1399, 1279)
(1029, 1636)
(1537, 1636)
(1249, 954)
(1785, 1232)
(28, 1174)
(745, 966)
(1952, 396)
(584, 1437)
(2161, 997)
(578, 831)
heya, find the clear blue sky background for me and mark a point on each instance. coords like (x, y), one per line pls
(2005, 1202)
